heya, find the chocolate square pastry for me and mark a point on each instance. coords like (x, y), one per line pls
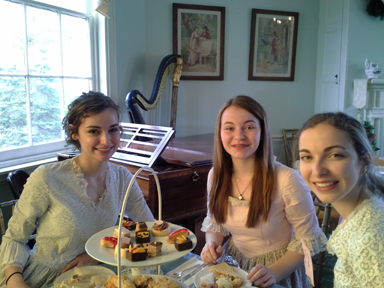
(183, 246)
(143, 237)
(129, 224)
(141, 256)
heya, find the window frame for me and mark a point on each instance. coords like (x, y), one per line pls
(97, 36)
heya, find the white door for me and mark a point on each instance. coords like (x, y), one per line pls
(330, 72)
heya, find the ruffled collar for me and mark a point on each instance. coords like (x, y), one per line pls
(79, 175)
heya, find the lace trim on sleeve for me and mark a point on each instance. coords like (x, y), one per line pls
(315, 244)
(210, 226)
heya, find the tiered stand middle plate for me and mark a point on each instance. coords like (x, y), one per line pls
(107, 255)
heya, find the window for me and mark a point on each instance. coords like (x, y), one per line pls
(46, 60)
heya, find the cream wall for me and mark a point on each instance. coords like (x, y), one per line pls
(143, 36)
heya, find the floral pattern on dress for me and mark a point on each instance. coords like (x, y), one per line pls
(358, 243)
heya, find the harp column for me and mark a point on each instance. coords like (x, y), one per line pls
(175, 89)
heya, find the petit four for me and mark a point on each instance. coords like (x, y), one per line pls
(109, 242)
(183, 243)
(141, 226)
(136, 254)
(143, 237)
(178, 233)
(154, 249)
(129, 224)
(161, 228)
(124, 232)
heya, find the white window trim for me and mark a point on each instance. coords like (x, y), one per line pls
(48, 152)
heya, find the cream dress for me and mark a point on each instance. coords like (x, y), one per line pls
(54, 201)
(358, 243)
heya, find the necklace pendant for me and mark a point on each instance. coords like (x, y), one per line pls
(240, 197)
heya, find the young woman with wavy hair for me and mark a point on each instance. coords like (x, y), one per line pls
(264, 205)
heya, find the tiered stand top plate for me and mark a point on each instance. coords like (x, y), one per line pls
(107, 255)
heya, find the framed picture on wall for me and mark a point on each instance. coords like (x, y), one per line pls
(272, 53)
(198, 35)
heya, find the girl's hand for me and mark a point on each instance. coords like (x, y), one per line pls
(211, 252)
(80, 260)
(261, 276)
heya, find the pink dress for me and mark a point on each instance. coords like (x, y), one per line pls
(194, 49)
(291, 218)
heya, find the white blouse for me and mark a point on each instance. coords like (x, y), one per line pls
(55, 202)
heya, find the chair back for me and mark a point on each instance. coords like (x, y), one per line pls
(16, 181)
(325, 227)
(3, 206)
(5, 214)
(288, 137)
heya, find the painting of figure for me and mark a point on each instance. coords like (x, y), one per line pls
(199, 38)
(273, 45)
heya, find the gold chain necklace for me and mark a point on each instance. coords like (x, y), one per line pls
(240, 197)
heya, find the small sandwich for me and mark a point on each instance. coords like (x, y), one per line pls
(207, 280)
(226, 270)
(224, 283)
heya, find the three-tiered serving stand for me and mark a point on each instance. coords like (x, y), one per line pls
(96, 251)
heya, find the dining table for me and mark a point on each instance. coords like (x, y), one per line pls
(165, 268)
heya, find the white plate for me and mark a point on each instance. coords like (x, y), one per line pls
(107, 255)
(86, 272)
(154, 276)
(243, 274)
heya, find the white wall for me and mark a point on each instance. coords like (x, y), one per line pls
(365, 40)
(144, 37)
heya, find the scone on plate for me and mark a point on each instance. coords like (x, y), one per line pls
(141, 281)
(162, 282)
(112, 282)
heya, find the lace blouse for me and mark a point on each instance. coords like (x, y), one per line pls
(358, 243)
(291, 218)
(54, 201)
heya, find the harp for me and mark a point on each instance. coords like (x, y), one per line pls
(135, 99)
